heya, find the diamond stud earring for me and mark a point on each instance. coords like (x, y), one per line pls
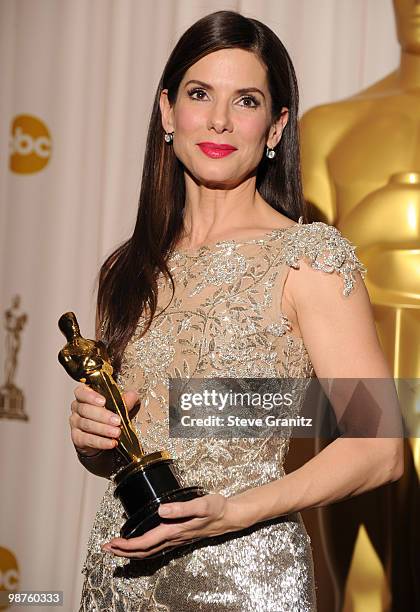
(270, 153)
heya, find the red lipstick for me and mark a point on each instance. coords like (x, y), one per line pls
(215, 150)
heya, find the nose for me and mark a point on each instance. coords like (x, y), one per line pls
(219, 117)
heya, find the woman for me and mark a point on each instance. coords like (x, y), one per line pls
(220, 200)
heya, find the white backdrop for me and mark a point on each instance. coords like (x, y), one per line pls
(87, 71)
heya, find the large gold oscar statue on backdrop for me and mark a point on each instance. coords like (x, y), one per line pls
(361, 172)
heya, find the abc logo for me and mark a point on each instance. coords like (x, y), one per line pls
(30, 145)
(9, 573)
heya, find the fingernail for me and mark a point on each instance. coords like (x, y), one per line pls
(115, 420)
(163, 511)
(100, 401)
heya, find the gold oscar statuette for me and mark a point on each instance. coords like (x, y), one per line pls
(145, 481)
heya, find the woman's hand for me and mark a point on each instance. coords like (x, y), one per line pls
(93, 427)
(202, 517)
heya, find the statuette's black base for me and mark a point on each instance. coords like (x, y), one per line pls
(143, 486)
(148, 517)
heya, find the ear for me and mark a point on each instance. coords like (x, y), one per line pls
(166, 112)
(276, 130)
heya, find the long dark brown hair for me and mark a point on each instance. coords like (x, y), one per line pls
(127, 279)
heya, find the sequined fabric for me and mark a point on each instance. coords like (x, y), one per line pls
(224, 320)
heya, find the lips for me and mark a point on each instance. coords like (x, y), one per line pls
(214, 150)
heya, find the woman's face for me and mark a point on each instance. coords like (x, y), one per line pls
(222, 99)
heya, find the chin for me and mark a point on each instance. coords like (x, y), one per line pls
(214, 177)
(215, 183)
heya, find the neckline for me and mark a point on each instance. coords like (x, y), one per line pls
(206, 247)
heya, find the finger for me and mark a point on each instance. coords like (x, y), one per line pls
(100, 415)
(164, 532)
(143, 554)
(131, 399)
(138, 554)
(195, 507)
(84, 440)
(98, 429)
(85, 394)
(167, 546)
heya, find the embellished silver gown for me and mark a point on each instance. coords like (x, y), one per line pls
(225, 320)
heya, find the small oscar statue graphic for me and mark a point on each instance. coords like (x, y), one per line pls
(12, 400)
(145, 480)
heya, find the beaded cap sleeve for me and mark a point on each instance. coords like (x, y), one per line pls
(326, 249)
(223, 321)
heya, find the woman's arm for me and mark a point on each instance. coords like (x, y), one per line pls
(348, 466)
(340, 336)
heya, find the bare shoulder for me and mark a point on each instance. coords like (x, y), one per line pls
(327, 302)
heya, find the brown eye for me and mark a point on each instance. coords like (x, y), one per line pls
(253, 101)
(197, 91)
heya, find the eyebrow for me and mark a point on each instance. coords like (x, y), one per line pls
(243, 90)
